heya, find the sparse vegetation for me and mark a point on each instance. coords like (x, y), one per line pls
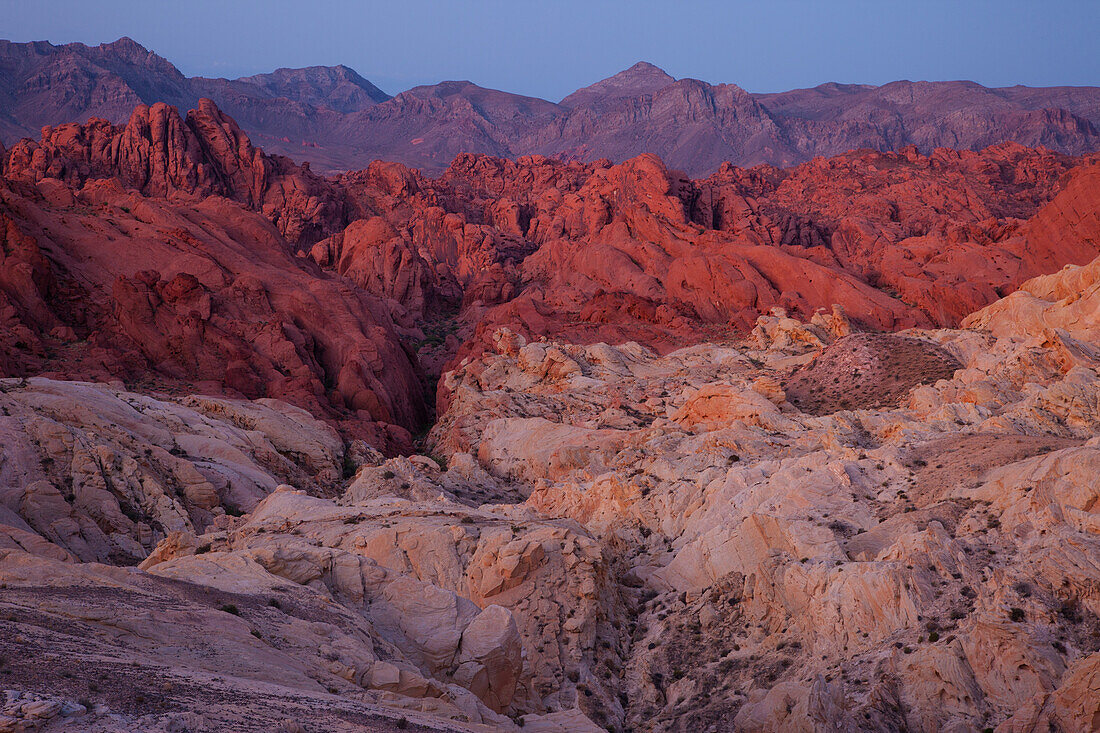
(348, 466)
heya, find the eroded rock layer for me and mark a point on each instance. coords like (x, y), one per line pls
(603, 537)
(774, 450)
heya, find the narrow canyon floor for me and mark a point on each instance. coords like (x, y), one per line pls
(810, 528)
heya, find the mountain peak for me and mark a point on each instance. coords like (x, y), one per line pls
(641, 78)
(339, 88)
(124, 45)
(644, 67)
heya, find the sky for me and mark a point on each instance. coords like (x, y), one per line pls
(548, 49)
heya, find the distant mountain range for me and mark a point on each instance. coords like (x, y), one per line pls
(337, 120)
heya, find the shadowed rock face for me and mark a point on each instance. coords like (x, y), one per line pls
(339, 121)
(102, 283)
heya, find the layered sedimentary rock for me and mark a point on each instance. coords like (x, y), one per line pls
(855, 568)
(103, 283)
(603, 537)
(400, 595)
(160, 153)
(630, 251)
(709, 454)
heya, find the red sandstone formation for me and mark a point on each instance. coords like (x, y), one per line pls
(587, 252)
(103, 283)
(160, 153)
(788, 528)
(897, 239)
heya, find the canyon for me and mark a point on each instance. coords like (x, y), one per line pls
(544, 442)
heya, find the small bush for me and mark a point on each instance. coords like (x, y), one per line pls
(231, 608)
(348, 467)
(388, 475)
(933, 637)
(202, 549)
(1068, 611)
(1017, 614)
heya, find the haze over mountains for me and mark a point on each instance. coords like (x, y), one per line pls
(337, 120)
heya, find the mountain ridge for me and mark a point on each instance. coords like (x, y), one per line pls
(337, 120)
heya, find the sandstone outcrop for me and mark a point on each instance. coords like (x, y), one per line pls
(599, 252)
(103, 283)
(795, 571)
(605, 536)
(159, 153)
(709, 455)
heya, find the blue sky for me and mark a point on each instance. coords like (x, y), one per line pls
(548, 48)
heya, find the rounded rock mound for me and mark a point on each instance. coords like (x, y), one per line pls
(867, 371)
